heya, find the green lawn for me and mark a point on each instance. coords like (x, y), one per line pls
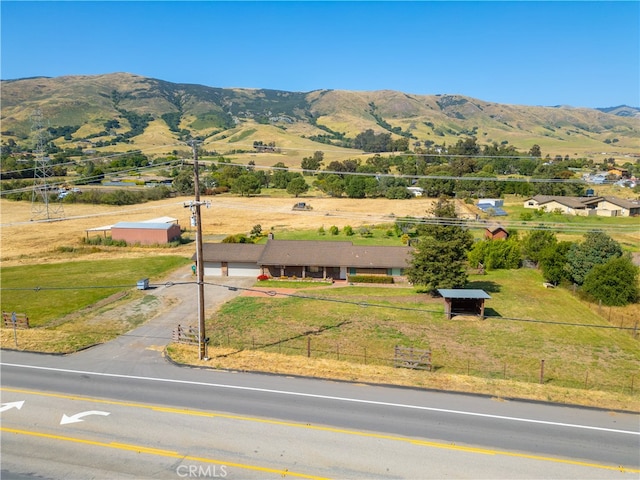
(526, 324)
(375, 235)
(48, 292)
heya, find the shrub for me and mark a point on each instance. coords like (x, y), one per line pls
(263, 277)
(370, 279)
(613, 283)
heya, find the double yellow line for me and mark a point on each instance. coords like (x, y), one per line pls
(180, 411)
(161, 453)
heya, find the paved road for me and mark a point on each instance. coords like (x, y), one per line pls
(258, 426)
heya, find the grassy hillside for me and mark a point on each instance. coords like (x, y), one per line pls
(226, 116)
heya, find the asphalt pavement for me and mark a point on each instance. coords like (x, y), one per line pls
(143, 347)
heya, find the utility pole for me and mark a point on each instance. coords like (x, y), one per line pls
(202, 338)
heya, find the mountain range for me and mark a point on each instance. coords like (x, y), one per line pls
(120, 111)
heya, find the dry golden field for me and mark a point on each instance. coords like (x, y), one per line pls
(25, 238)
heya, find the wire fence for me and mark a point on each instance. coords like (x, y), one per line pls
(547, 371)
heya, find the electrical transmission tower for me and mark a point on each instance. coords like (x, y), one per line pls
(41, 206)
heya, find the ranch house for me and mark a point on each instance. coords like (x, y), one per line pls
(303, 259)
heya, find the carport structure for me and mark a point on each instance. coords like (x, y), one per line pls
(461, 301)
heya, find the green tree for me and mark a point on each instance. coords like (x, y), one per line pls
(444, 226)
(355, 186)
(596, 249)
(256, 231)
(553, 260)
(535, 242)
(297, 186)
(398, 193)
(183, 182)
(614, 282)
(246, 184)
(535, 151)
(312, 163)
(436, 264)
(440, 256)
(332, 185)
(280, 177)
(496, 254)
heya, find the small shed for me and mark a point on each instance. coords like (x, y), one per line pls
(495, 232)
(460, 301)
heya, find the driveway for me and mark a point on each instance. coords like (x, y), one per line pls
(139, 350)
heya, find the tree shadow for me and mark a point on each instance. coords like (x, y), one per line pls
(486, 285)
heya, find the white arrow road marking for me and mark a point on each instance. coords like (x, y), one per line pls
(10, 405)
(78, 416)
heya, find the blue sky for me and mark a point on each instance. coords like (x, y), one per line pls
(583, 54)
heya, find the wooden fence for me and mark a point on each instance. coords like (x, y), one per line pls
(17, 320)
(409, 357)
(187, 335)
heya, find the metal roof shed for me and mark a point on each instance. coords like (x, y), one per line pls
(458, 301)
(145, 233)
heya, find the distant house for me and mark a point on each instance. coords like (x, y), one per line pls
(495, 232)
(618, 207)
(619, 172)
(596, 178)
(304, 259)
(585, 206)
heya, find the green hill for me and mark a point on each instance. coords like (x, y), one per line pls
(121, 111)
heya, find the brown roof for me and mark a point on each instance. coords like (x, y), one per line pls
(378, 257)
(302, 252)
(581, 202)
(621, 202)
(571, 202)
(231, 252)
(309, 253)
(494, 227)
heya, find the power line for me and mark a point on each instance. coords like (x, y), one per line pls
(273, 293)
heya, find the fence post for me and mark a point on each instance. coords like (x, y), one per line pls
(586, 379)
(308, 347)
(14, 320)
(365, 356)
(541, 371)
(338, 351)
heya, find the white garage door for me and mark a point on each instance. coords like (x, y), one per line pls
(243, 270)
(213, 269)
